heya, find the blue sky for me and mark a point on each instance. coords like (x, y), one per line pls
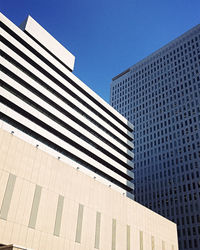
(107, 36)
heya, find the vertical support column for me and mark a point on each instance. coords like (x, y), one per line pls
(152, 243)
(79, 223)
(128, 238)
(58, 215)
(163, 245)
(97, 230)
(35, 207)
(113, 234)
(7, 196)
(141, 240)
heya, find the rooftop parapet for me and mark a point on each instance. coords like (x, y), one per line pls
(40, 35)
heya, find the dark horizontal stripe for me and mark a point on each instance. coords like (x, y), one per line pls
(61, 122)
(121, 74)
(42, 83)
(70, 81)
(48, 51)
(59, 149)
(61, 136)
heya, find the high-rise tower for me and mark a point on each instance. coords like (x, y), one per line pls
(160, 95)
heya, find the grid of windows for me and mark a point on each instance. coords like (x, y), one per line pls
(161, 96)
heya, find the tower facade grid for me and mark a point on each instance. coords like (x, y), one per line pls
(160, 95)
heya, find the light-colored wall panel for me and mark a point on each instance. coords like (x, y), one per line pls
(30, 237)
(7, 233)
(65, 145)
(23, 235)
(65, 226)
(47, 209)
(43, 239)
(16, 231)
(36, 240)
(2, 230)
(36, 165)
(121, 235)
(76, 188)
(4, 146)
(34, 142)
(72, 220)
(25, 202)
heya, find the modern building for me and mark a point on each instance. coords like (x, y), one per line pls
(160, 95)
(65, 156)
(42, 98)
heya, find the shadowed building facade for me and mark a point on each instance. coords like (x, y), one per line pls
(160, 95)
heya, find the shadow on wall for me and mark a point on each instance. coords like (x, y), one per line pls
(11, 247)
(8, 247)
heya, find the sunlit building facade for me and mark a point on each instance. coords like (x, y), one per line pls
(65, 156)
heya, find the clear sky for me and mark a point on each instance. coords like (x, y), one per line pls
(107, 36)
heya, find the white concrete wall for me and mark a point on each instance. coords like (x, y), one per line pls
(49, 42)
(29, 166)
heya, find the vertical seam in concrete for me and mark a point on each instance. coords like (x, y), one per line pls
(141, 240)
(152, 242)
(163, 245)
(128, 238)
(97, 230)
(113, 234)
(58, 219)
(79, 223)
(7, 196)
(35, 206)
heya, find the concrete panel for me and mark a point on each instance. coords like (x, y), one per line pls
(35, 207)
(79, 223)
(84, 198)
(141, 240)
(59, 215)
(7, 197)
(97, 230)
(49, 42)
(113, 234)
(128, 237)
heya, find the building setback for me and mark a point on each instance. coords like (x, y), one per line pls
(160, 95)
(65, 156)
